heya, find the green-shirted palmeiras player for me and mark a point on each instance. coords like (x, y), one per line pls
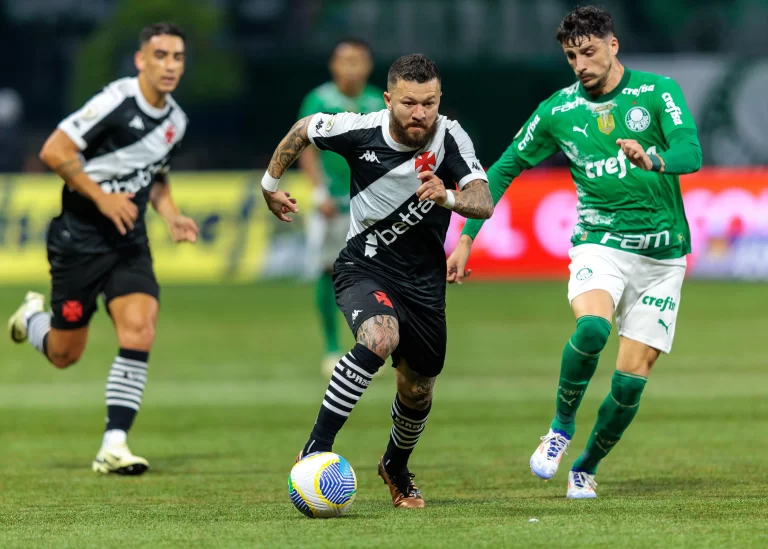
(628, 136)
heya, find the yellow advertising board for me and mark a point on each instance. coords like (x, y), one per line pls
(235, 226)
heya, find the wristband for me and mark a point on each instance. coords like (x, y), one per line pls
(655, 163)
(269, 183)
(450, 201)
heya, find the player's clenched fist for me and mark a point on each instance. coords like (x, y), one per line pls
(120, 209)
(280, 203)
(432, 188)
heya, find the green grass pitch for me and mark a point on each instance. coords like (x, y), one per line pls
(235, 386)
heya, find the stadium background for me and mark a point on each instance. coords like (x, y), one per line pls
(235, 374)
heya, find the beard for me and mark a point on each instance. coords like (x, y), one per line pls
(401, 135)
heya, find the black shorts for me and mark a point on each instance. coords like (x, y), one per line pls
(78, 279)
(423, 331)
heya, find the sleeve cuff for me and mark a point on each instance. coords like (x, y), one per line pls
(74, 136)
(471, 177)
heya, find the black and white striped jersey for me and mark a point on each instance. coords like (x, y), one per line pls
(125, 142)
(391, 234)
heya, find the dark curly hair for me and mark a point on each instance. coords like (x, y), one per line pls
(415, 67)
(583, 22)
(158, 29)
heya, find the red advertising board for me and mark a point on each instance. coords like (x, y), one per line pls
(529, 233)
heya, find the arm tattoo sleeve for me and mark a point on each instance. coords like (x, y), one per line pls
(69, 169)
(474, 202)
(380, 334)
(290, 148)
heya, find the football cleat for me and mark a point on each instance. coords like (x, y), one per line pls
(117, 458)
(405, 494)
(581, 485)
(17, 324)
(546, 459)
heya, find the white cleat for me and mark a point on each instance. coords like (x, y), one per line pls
(546, 459)
(117, 458)
(17, 324)
(581, 486)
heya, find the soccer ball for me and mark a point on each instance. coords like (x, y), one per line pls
(322, 485)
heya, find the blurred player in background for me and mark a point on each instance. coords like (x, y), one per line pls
(628, 137)
(351, 64)
(113, 155)
(410, 167)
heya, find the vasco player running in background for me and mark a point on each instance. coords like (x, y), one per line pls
(113, 155)
(628, 136)
(406, 161)
(350, 67)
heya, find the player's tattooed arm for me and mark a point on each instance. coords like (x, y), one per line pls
(69, 169)
(290, 148)
(474, 201)
(381, 334)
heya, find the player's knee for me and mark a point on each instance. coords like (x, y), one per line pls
(416, 394)
(591, 335)
(380, 334)
(64, 358)
(136, 333)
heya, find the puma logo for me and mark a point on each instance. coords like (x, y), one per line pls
(568, 402)
(666, 326)
(582, 130)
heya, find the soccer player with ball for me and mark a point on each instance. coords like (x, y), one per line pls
(410, 168)
(628, 136)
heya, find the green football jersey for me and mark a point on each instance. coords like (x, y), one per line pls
(327, 98)
(619, 204)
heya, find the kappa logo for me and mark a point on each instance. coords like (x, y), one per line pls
(137, 123)
(319, 124)
(355, 313)
(476, 166)
(370, 156)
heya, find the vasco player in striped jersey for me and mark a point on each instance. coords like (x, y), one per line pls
(113, 155)
(406, 163)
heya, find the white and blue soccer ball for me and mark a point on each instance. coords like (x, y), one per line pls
(322, 485)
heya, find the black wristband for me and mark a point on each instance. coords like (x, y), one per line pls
(655, 163)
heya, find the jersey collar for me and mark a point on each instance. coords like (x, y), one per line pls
(144, 105)
(610, 95)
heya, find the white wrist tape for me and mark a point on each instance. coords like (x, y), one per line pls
(269, 183)
(450, 201)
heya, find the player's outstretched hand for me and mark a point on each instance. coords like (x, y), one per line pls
(432, 188)
(183, 229)
(457, 261)
(280, 204)
(635, 153)
(119, 209)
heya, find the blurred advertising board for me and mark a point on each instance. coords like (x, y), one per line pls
(528, 236)
(529, 233)
(235, 227)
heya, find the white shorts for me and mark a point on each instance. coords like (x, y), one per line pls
(645, 291)
(325, 239)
